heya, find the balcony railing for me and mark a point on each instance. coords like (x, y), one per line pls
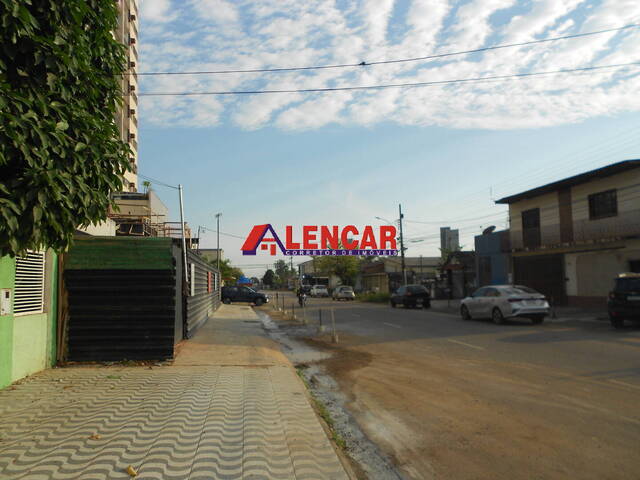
(624, 225)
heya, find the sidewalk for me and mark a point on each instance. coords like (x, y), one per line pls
(230, 407)
(563, 314)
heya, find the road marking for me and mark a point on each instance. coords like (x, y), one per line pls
(392, 325)
(619, 382)
(355, 315)
(465, 344)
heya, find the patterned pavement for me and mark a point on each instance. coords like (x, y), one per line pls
(169, 423)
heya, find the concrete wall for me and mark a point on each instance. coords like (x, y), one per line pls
(591, 274)
(28, 342)
(628, 193)
(626, 223)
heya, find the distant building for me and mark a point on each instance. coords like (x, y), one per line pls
(384, 275)
(493, 258)
(449, 240)
(139, 213)
(457, 275)
(571, 238)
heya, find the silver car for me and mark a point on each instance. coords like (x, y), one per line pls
(499, 302)
(343, 292)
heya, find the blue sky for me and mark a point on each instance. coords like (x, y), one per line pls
(346, 157)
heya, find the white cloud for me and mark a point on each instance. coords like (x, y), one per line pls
(156, 10)
(245, 34)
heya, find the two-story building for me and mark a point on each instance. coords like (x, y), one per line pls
(571, 238)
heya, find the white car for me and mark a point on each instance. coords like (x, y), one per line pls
(343, 292)
(499, 302)
(319, 291)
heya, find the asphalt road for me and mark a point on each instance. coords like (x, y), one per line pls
(449, 398)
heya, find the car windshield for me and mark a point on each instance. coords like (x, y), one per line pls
(347, 289)
(628, 284)
(416, 289)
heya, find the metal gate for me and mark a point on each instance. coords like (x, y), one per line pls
(544, 273)
(124, 299)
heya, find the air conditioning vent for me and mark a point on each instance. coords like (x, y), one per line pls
(29, 286)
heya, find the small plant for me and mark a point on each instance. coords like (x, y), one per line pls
(374, 297)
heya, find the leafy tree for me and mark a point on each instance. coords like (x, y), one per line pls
(60, 150)
(346, 267)
(268, 278)
(229, 273)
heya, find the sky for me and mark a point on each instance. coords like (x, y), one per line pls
(445, 152)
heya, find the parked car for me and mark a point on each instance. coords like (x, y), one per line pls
(411, 296)
(232, 294)
(624, 299)
(343, 292)
(499, 302)
(319, 291)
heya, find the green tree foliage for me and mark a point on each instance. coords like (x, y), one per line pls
(60, 149)
(346, 267)
(228, 273)
(269, 278)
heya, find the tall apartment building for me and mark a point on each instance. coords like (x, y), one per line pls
(127, 116)
(449, 239)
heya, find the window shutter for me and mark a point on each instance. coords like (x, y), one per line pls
(29, 285)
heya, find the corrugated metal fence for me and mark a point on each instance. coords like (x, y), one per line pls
(127, 298)
(203, 298)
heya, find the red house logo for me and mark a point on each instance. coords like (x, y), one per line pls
(323, 240)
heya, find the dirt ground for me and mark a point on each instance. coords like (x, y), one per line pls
(461, 418)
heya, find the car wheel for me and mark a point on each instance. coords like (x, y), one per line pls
(226, 301)
(258, 302)
(537, 320)
(393, 304)
(464, 311)
(497, 316)
(617, 322)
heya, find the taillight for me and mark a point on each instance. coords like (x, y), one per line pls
(409, 294)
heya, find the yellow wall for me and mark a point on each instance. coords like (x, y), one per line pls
(549, 216)
(628, 193)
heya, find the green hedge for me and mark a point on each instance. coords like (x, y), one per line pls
(374, 297)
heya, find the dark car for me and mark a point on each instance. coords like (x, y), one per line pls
(411, 296)
(243, 294)
(624, 299)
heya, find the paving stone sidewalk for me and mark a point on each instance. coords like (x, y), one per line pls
(205, 417)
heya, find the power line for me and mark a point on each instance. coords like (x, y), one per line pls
(213, 230)
(157, 181)
(391, 85)
(386, 62)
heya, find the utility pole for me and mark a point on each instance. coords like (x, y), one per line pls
(184, 241)
(404, 271)
(218, 215)
(199, 227)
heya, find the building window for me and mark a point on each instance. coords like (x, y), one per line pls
(603, 204)
(29, 285)
(531, 228)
